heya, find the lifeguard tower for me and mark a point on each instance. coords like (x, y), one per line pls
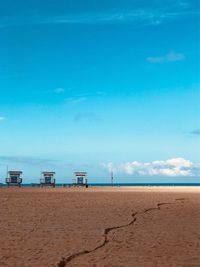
(14, 178)
(48, 179)
(80, 179)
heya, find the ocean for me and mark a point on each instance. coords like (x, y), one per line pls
(120, 184)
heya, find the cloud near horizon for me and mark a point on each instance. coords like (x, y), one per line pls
(171, 167)
(27, 160)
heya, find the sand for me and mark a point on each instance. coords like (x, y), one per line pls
(147, 227)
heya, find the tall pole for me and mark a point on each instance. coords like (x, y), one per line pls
(112, 177)
(41, 177)
(6, 174)
(7, 171)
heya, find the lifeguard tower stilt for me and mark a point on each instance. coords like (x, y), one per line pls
(80, 179)
(14, 178)
(48, 179)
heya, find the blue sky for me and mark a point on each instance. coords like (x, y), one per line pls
(100, 85)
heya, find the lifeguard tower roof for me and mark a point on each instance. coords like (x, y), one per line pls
(48, 173)
(80, 174)
(15, 172)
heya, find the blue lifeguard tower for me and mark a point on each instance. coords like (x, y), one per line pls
(14, 178)
(48, 179)
(80, 179)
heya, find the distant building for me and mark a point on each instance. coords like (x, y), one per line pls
(80, 179)
(48, 179)
(14, 178)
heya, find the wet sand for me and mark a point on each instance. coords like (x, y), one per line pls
(120, 226)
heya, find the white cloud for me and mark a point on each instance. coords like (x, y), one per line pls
(170, 57)
(170, 167)
(109, 166)
(155, 59)
(86, 117)
(59, 90)
(184, 4)
(179, 162)
(76, 100)
(155, 15)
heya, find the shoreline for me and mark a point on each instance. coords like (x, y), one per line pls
(112, 185)
(130, 188)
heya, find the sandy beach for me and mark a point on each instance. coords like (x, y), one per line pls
(119, 226)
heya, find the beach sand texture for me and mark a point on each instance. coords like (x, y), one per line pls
(119, 226)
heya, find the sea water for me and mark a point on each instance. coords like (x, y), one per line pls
(122, 184)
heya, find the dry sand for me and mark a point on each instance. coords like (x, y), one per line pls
(147, 227)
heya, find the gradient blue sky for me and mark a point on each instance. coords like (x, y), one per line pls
(94, 85)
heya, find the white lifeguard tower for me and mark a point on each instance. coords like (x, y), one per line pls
(14, 178)
(80, 179)
(48, 179)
